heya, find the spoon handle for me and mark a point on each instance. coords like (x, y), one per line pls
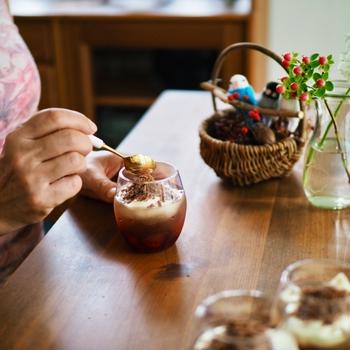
(99, 144)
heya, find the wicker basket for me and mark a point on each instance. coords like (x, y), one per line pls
(244, 165)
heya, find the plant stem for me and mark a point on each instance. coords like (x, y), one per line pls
(335, 116)
(342, 154)
(312, 151)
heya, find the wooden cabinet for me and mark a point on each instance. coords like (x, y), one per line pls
(49, 90)
(64, 40)
(38, 34)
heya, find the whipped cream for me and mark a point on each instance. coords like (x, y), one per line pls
(281, 340)
(315, 332)
(340, 282)
(157, 206)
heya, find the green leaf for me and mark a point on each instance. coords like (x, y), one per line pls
(314, 56)
(329, 86)
(325, 76)
(320, 92)
(317, 76)
(314, 64)
(326, 67)
(309, 74)
(303, 87)
(329, 57)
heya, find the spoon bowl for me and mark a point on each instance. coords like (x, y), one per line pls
(137, 163)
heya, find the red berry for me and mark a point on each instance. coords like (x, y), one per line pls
(234, 96)
(287, 56)
(306, 59)
(304, 96)
(285, 63)
(293, 95)
(322, 60)
(244, 130)
(251, 113)
(280, 89)
(297, 70)
(284, 78)
(294, 86)
(320, 83)
(246, 97)
(254, 114)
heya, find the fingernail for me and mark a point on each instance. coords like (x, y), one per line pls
(111, 193)
(93, 126)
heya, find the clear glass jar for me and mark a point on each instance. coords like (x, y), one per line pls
(326, 164)
(313, 304)
(150, 211)
(240, 320)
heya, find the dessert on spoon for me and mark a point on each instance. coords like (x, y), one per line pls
(137, 163)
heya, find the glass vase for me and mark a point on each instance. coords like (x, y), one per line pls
(326, 164)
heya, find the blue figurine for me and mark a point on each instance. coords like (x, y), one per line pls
(241, 89)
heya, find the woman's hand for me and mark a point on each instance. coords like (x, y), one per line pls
(101, 166)
(40, 166)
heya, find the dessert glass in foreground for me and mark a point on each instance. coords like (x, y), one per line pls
(240, 320)
(150, 208)
(313, 304)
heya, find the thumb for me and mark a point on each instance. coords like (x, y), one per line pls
(107, 190)
(103, 189)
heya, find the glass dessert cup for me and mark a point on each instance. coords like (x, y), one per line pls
(240, 320)
(150, 210)
(313, 304)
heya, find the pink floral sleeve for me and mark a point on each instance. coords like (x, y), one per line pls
(19, 98)
(19, 79)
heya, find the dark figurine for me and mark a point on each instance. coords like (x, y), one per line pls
(269, 99)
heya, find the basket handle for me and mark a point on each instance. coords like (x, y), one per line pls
(256, 47)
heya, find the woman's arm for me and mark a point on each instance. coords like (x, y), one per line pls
(8, 5)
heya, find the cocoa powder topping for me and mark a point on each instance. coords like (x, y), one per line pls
(242, 335)
(143, 189)
(324, 303)
(245, 328)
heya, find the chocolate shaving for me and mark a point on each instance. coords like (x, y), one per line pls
(242, 335)
(324, 303)
(135, 192)
(245, 328)
(219, 345)
(144, 177)
(143, 189)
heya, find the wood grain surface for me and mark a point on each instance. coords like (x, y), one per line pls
(82, 288)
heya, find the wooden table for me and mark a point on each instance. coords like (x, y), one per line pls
(82, 288)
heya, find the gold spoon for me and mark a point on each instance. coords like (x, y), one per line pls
(136, 163)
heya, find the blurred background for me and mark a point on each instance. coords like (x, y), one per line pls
(110, 59)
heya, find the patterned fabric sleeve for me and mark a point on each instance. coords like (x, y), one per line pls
(19, 78)
(19, 98)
